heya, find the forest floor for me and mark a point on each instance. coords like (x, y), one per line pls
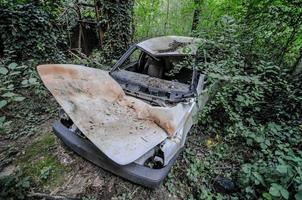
(54, 169)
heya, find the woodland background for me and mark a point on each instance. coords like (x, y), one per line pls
(250, 132)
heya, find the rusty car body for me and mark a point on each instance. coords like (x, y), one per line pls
(134, 119)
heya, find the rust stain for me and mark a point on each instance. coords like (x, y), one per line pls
(45, 70)
(110, 91)
(104, 113)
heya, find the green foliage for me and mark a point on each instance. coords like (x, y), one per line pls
(255, 106)
(13, 79)
(259, 105)
(203, 163)
(14, 186)
(28, 32)
(278, 172)
(276, 28)
(45, 172)
(255, 102)
(28, 35)
(160, 17)
(117, 18)
(45, 169)
(3, 123)
(88, 198)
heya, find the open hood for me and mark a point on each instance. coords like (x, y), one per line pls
(122, 127)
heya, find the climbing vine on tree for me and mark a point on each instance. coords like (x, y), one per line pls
(117, 20)
(29, 32)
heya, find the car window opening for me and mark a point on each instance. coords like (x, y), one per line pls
(171, 68)
(169, 76)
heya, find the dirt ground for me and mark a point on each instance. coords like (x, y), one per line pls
(86, 179)
(70, 175)
(81, 178)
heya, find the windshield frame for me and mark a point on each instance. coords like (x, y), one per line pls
(192, 85)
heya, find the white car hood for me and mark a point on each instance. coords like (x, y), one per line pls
(122, 127)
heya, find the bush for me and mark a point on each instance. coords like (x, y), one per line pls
(258, 106)
(28, 32)
(14, 186)
(14, 79)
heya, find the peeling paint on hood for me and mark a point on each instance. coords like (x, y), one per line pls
(121, 126)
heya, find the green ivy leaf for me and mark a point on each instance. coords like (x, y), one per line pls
(3, 103)
(24, 82)
(19, 98)
(298, 196)
(282, 169)
(259, 178)
(277, 191)
(284, 192)
(240, 98)
(12, 65)
(246, 168)
(3, 70)
(32, 80)
(267, 196)
(26, 184)
(2, 119)
(274, 190)
(8, 94)
(10, 86)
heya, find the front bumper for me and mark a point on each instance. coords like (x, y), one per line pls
(136, 173)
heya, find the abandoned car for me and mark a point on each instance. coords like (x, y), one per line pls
(134, 119)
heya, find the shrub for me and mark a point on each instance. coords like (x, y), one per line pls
(258, 105)
(15, 186)
(28, 32)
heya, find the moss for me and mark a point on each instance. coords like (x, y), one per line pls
(41, 164)
(42, 145)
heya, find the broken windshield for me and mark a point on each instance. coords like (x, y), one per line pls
(163, 76)
(171, 68)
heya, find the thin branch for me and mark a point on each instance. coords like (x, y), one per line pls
(50, 197)
(81, 56)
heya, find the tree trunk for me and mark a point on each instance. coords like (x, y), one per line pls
(117, 20)
(196, 15)
(290, 40)
(167, 16)
(297, 67)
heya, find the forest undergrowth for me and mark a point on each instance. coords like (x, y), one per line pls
(248, 136)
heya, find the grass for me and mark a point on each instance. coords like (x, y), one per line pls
(41, 164)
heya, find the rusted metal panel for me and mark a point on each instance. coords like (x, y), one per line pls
(170, 45)
(123, 127)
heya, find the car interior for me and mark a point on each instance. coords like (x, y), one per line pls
(159, 67)
(150, 73)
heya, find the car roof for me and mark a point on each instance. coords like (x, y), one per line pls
(170, 45)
